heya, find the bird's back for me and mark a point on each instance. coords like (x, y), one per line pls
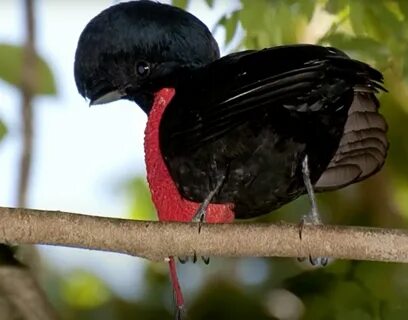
(253, 117)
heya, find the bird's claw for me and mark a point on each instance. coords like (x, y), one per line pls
(312, 219)
(199, 218)
(194, 259)
(318, 261)
(184, 259)
(179, 313)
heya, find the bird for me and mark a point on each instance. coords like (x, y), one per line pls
(237, 136)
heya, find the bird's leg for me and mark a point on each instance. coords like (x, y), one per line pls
(202, 210)
(199, 217)
(313, 217)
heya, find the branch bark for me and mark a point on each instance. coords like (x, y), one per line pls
(158, 240)
(23, 292)
(28, 83)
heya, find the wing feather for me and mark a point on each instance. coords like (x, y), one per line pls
(363, 147)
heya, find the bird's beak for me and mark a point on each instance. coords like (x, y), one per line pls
(108, 97)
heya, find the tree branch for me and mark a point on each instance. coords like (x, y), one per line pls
(22, 290)
(29, 78)
(157, 240)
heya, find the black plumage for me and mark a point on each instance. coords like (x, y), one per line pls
(255, 116)
(251, 116)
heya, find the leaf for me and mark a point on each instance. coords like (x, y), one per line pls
(336, 6)
(358, 46)
(11, 58)
(210, 3)
(403, 5)
(276, 22)
(84, 290)
(142, 207)
(305, 8)
(230, 24)
(3, 130)
(358, 17)
(384, 23)
(180, 3)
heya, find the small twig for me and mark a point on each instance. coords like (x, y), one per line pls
(22, 290)
(28, 82)
(17, 283)
(157, 240)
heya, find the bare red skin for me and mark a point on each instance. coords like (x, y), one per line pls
(170, 205)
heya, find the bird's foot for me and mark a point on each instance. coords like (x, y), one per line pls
(316, 261)
(199, 216)
(179, 315)
(194, 259)
(183, 259)
(312, 218)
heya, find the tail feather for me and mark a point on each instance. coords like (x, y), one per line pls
(363, 147)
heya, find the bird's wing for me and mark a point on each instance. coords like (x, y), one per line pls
(225, 94)
(363, 147)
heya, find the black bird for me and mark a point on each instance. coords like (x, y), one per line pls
(237, 136)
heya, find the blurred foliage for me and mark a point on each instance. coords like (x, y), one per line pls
(84, 290)
(141, 207)
(373, 31)
(180, 3)
(11, 58)
(3, 130)
(218, 297)
(285, 18)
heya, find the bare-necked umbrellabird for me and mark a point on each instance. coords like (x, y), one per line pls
(237, 136)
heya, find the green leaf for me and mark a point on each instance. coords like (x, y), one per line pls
(84, 290)
(210, 3)
(142, 207)
(259, 21)
(403, 5)
(383, 22)
(3, 130)
(305, 8)
(180, 3)
(359, 47)
(230, 24)
(358, 17)
(336, 6)
(11, 58)
(276, 22)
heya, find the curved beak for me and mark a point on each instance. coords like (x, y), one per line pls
(108, 97)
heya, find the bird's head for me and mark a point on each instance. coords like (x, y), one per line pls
(133, 49)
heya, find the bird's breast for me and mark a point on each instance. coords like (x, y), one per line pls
(169, 203)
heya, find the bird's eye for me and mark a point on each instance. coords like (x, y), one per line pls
(142, 69)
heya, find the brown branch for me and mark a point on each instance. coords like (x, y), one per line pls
(28, 82)
(157, 240)
(22, 291)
